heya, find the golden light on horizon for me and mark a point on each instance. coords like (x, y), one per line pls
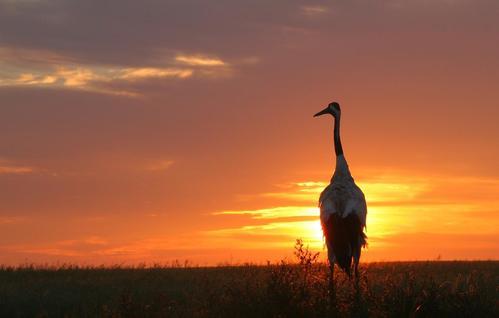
(398, 205)
(401, 210)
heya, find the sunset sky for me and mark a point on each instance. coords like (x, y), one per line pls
(153, 131)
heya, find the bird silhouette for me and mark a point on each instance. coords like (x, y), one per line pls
(343, 209)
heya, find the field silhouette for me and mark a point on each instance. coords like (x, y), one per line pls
(284, 289)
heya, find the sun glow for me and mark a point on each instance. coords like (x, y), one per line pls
(398, 205)
(313, 231)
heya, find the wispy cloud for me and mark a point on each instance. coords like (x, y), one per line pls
(11, 219)
(159, 165)
(17, 56)
(25, 68)
(314, 10)
(30, 79)
(91, 78)
(199, 60)
(275, 213)
(151, 72)
(272, 234)
(91, 245)
(90, 240)
(297, 191)
(7, 167)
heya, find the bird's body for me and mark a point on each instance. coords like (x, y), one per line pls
(343, 208)
(343, 217)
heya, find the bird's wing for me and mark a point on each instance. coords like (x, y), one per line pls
(360, 206)
(330, 201)
(343, 199)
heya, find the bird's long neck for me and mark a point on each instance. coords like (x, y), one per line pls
(337, 140)
(341, 172)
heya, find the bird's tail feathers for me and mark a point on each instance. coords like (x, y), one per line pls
(363, 239)
(345, 237)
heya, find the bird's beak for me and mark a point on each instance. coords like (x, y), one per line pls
(322, 112)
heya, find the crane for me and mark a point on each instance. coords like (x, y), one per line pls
(343, 209)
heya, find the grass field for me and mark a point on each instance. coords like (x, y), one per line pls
(299, 289)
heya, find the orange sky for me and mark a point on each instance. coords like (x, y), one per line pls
(149, 132)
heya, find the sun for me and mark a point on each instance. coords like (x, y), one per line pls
(312, 233)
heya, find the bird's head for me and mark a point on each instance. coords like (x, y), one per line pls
(332, 109)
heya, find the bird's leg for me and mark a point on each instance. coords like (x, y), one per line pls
(356, 264)
(356, 259)
(358, 305)
(332, 288)
(331, 278)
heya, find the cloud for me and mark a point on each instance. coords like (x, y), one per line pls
(298, 191)
(400, 189)
(159, 165)
(24, 68)
(424, 246)
(199, 60)
(15, 57)
(282, 233)
(150, 72)
(191, 26)
(274, 213)
(90, 240)
(8, 168)
(82, 247)
(91, 78)
(75, 77)
(314, 10)
(11, 219)
(30, 79)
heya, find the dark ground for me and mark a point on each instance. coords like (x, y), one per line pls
(405, 289)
